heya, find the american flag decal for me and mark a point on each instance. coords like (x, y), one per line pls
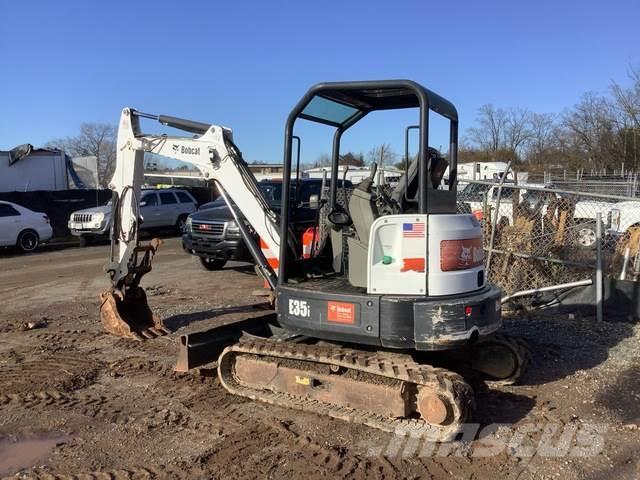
(412, 230)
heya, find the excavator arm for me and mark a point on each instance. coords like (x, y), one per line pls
(124, 309)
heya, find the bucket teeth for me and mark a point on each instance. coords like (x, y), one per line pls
(129, 316)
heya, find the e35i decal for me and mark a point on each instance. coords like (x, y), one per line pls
(299, 308)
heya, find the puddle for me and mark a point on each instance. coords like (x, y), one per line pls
(26, 452)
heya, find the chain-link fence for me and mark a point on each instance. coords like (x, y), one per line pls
(621, 183)
(538, 237)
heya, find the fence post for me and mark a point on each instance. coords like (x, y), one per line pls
(494, 222)
(599, 286)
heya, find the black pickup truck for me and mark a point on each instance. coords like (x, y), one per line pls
(213, 236)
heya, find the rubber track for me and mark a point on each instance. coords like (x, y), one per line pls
(444, 382)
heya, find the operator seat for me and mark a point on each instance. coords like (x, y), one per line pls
(362, 207)
(363, 210)
(409, 181)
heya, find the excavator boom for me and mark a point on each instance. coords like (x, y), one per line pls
(124, 309)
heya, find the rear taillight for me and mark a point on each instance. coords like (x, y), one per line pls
(461, 254)
(46, 219)
(478, 214)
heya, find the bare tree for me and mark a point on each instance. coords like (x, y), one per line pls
(517, 129)
(96, 139)
(628, 99)
(593, 125)
(489, 133)
(500, 131)
(542, 142)
(382, 155)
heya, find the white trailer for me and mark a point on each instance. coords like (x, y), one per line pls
(35, 169)
(491, 171)
(357, 174)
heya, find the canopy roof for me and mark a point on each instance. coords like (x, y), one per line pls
(341, 104)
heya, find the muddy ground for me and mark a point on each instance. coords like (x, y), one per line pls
(78, 403)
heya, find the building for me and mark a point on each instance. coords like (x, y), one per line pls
(267, 171)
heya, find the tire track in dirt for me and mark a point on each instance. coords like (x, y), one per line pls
(156, 472)
(273, 450)
(337, 460)
(156, 347)
(62, 371)
(252, 429)
(115, 409)
(245, 430)
(65, 338)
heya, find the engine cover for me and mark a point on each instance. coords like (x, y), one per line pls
(426, 255)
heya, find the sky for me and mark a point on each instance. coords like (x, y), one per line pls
(245, 64)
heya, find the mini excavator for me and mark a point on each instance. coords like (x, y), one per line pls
(393, 275)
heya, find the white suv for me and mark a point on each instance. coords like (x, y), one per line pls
(159, 208)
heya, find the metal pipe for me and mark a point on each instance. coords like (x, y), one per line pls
(551, 288)
(406, 159)
(335, 160)
(453, 154)
(297, 199)
(542, 259)
(285, 197)
(151, 116)
(623, 273)
(423, 157)
(323, 185)
(344, 188)
(599, 282)
(494, 220)
(297, 139)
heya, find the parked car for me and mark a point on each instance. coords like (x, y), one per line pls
(159, 208)
(214, 237)
(584, 215)
(624, 215)
(22, 227)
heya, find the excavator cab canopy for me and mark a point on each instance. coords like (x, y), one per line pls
(341, 105)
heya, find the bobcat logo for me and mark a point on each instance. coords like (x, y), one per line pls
(175, 148)
(465, 255)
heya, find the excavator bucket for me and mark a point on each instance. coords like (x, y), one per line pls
(130, 316)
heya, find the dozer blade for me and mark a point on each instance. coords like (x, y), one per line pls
(130, 316)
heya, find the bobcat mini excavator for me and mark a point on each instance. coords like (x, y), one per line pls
(392, 277)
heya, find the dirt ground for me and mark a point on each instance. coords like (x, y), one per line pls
(78, 403)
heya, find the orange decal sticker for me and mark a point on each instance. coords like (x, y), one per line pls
(412, 264)
(341, 312)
